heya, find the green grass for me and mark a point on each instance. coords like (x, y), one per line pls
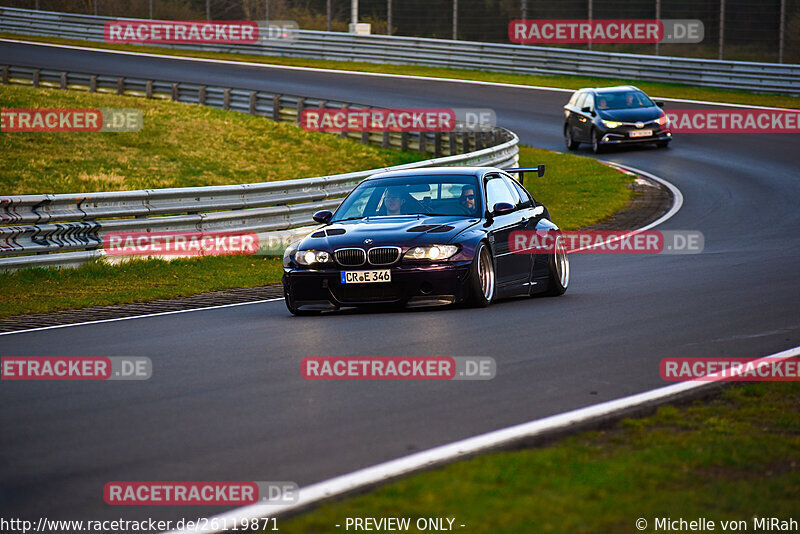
(180, 145)
(655, 89)
(99, 283)
(732, 458)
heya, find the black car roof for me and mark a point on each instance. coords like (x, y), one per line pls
(615, 89)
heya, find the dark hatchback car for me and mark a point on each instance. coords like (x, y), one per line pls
(424, 237)
(610, 116)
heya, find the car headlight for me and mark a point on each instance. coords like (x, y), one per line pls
(311, 257)
(663, 121)
(611, 124)
(431, 252)
(288, 254)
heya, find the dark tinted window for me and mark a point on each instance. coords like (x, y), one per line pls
(623, 100)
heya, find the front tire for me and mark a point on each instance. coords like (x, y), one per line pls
(482, 282)
(558, 280)
(662, 144)
(290, 305)
(597, 146)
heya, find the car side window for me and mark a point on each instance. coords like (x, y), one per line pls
(497, 191)
(589, 101)
(526, 200)
(574, 99)
(580, 100)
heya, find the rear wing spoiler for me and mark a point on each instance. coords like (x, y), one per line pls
(539, 170)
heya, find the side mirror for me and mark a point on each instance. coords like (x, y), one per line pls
(586, 109)
(323, 217)
(538, 210)
(659, 103)
(502, 207)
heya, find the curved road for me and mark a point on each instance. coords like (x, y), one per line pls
(227, 402)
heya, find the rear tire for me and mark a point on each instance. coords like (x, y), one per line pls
(558, 280)
(482, 282)
(571, 143)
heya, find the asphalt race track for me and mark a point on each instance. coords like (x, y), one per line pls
(227, 401)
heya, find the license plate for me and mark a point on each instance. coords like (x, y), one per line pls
(641, 133)
(366, 277)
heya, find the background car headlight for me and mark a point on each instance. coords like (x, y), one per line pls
(611, 124)
(431, 252)
(311, 257)
(289, 253)
(663, 121)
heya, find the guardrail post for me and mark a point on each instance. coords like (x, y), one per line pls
(226, 99)
(276, 108)
(5, 74)
(343, 133)
(201, 95)
(451, 138)
(36, 77)
(63, 80)
(465, 143)
(93, 83)
(365, 138)
(252, 102)
(478, 140)
(301, 102)
(174, 92)
(437, 145)
(120, 86)
(148, 89)
(422, 145)
(404, 141)
(385, 142)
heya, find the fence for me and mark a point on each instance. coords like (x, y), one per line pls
(752, 76)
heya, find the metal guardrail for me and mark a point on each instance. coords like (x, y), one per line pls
(34, 227)
(521, 59)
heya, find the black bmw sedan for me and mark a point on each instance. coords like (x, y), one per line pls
(609, 116)
(424, 237)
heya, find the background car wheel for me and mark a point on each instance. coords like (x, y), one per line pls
(569, 141)
(482, 278)
(662, 144)
(287, 298)
(559, 269)
(597, 147)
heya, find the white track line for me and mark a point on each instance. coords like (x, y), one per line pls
(678, 202)
(98, 321)
(359, 73)
(447, 453)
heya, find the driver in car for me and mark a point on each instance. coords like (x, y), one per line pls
(467, 200)
(394, 202)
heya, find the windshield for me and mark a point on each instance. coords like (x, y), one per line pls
(412, 195)
(623, 100)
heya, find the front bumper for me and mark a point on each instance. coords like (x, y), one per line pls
(411, 285)
(622, 137)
